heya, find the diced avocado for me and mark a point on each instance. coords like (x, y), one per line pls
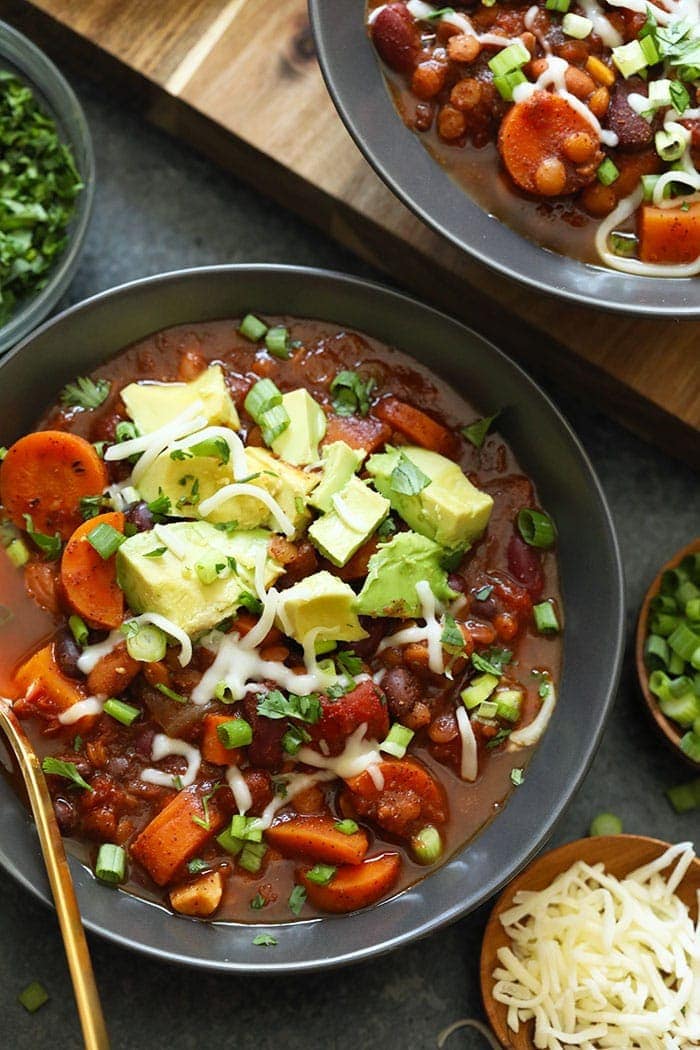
(339, 462)
(394, 571)
(450, 510)
(357, 510)
(298, 443)
(289, 486)
(170, 582)
(319, 601)
(152, 405)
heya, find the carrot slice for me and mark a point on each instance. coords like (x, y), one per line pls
(46, 474)
(354, 885)
(409, 798)
(172, 837)
(113, 672)
(537, 139)
(416, 425)
(90, 581)
(318, 838)
(212, 749)
(40, 680)
(369, 433)
(669, 235)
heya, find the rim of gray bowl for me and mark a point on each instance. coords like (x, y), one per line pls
(105, 323)
(354, 78)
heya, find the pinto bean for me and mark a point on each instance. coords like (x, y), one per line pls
(452, 123)
(463, 48)
(428, 79)
(579, 83)
(466, 94)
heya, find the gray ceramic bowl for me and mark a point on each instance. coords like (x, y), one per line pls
(21, 56)
(353, 74)
(82, 337)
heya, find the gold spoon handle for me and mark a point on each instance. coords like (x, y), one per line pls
(86, 996)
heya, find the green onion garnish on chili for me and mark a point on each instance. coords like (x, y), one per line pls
(536, 528)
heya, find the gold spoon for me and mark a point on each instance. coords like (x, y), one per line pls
(79, 963)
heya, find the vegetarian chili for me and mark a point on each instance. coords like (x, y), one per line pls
(283, 617)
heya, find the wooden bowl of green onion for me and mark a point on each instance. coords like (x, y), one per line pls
(667, 652)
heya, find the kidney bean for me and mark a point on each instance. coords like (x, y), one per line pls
(143, 744)
(403, 691)
(457, 582)
(140, 516)
(66, 815)
(376, 629)
(633, 131)
(396, 37)
(524, 563)
(67, 652)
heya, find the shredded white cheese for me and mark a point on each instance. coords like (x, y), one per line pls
(244, 489)
(239, 463)
(92, 654)
(162, 747)
(430, 633)
(92, 705)
(469, 766)
(358, 756)
(294, 784)
(239, 789)
(602, 962)
(530, 734)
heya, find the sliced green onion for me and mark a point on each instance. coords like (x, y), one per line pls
(664, 623)
(111, 864)
(277, 342)
(347, 827)
(505, 83)
(321, 874)
(630, 58)
(33, 996)
(671, 141)
(488, 709)
(105, 539)
(121, 711)
(273, 422)
(685, 797)
(246, 828)
(692, 610)
(479, 689)
(229, 843)
(261, 397)
(607, 172)
(558, 5)
(251, 856)
(510, 58)
(236, 733)
(78, 628)
(656, 652)
(171, 694)
(397, 741)
(576, 26)
(148, 644)
(605, 824)
(252, 328)
(545, 618)
(476, 432)
(649, 50)
(623, 244)
(536, 528)
(684, 641)
(508, 704)
(426, 845)
(18, 552)
(690, 745)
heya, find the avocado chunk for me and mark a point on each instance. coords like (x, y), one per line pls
(394, 571)
(339, 463)
(322, 602)
(298, 443)
(357, 510)
(449, 510)
(188, 483)
(171, 582)
(152, 405)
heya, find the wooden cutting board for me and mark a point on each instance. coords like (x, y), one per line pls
(238, 80)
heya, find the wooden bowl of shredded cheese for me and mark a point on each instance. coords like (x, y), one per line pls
(597, 944)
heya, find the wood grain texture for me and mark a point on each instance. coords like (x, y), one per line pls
(621, 854)
(238, 80)
(668, 729)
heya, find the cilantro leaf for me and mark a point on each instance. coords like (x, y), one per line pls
(56, 767)
(350, 662)
(48, 545)
(264, 940)
(91, 506)
(297, 899)
(85, 393)
(476, 432)
(351, 394)
(161, 504)
(275, 705)
(408, 479)
(451, 637)
(492, 661)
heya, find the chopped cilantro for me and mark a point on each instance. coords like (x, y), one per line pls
(386, 529)
(91, 506)
(258, 901)
(483, 593)
(451, 637)
(275, 705)
(406, 478)
(492, 661)
(297, 899)
(250, 602)
(157, 552)
(516, 776)
(476, 432)
(161, 504)
(264, 940)
(351, 394)
(350, 662)
(68, 770)
(84, 392)
(48, 545)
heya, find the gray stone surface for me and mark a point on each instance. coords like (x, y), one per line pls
(159, 207)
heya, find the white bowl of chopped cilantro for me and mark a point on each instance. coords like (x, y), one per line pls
(46, 185)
